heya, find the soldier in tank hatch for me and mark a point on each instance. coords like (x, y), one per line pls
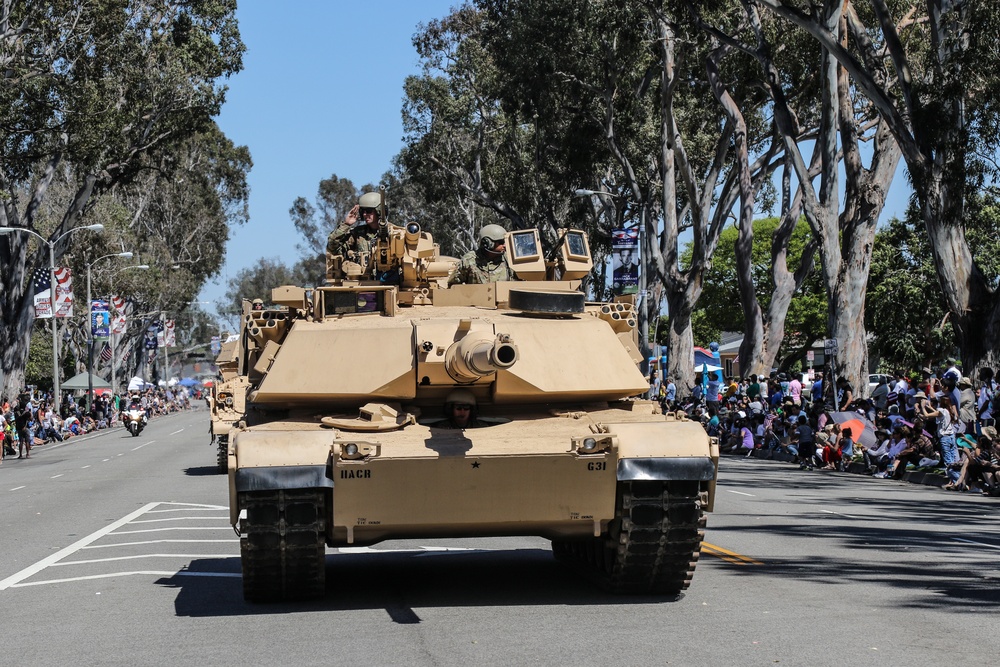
(460, 410)
(487, 263)
(355, 242)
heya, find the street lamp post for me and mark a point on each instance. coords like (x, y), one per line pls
(90, 328)
(52, 296)
(114, 385)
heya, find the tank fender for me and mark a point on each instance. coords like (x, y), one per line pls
(273, 478)
(274, 460)
(684, 468)
(671, 450)
(665, 439)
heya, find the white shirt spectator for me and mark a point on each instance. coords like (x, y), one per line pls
(712, 395)
(882, 449)
(944, 425)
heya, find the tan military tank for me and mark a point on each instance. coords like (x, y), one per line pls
(227, 400)
(344, 441)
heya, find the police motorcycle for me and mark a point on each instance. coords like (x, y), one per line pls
(134, 419)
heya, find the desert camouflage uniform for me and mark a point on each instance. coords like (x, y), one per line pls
(474, 269)
(352, 242)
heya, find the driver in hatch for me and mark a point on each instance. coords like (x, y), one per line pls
(460, 411)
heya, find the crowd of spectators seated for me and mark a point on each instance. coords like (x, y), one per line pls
(940, 423)
(29, 421)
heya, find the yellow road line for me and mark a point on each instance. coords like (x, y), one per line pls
(727, 555)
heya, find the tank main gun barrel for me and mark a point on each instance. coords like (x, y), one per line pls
(475, 356)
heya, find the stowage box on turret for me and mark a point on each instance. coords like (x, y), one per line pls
(405, 408)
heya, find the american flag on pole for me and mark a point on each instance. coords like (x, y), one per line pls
(64, 292)
(106, 352)
(42, 294)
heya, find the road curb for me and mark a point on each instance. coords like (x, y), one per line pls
(921, 477)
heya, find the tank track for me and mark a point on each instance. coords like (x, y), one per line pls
(283, 544)
(222, 453)
(652, 545)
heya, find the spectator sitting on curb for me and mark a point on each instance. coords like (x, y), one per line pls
(919, 450)
(822, 442)
(877, 458)
(831, 451)
(980, 470)
(897, 443)
(841, 449)
(742, 440)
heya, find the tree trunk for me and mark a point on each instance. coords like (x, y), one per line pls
(784, 282)
(753, 332)
(974, 308)
(680, 341)
(16, 306)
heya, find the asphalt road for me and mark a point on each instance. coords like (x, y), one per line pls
(118, 551)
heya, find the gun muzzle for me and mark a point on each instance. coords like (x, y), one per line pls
(476, 356)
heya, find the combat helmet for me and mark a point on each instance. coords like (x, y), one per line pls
(463, 396)
(490, 236)
(370, 200)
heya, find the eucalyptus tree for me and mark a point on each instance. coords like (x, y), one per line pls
(178, 213)
(804, 315)
(651, 88)
(98, 86)
(845, 230)
(935, 86)
(907, 315)
(472, 156)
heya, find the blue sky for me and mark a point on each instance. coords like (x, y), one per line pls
(320, 94)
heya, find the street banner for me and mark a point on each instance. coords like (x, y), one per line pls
(100, 319)
(118, 318)
(625, 238)
(216, 346)
(168, 334)
(42, 293)
(64, 292)
(151, 338)
(625, 260)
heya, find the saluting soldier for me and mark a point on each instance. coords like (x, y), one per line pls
(353, 242)
(487, 263)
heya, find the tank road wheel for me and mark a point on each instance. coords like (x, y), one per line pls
(653, 543)
(222, 453)
(283, 544)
